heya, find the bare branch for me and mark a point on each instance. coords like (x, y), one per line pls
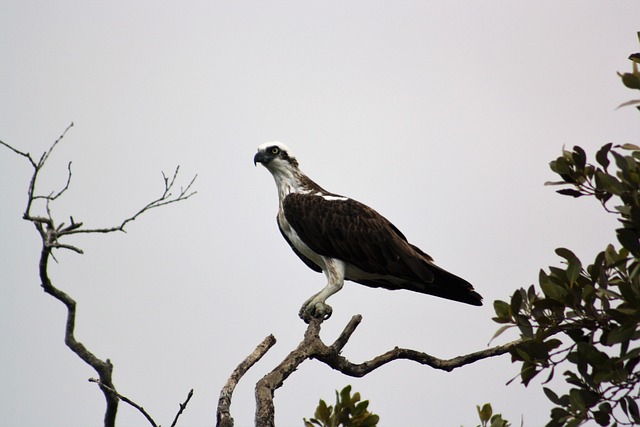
(182, 408)
(140, 408)
(124, 399)
(46, 154)
(265, 388)
(37, 167)
(312, 347)
(343, 365)
(163, 200)
(50, 235)
(346, 333)
(27, 155)
(223, 415)
(103, 368)
(53, 233)
(52, 196)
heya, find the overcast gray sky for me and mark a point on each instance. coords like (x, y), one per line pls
(442, 116)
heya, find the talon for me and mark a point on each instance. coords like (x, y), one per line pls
(325, 311)
(318, 310)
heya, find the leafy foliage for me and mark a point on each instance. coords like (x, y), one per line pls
(632, 79)
(588, 317)
(488, 419)
(347, 412)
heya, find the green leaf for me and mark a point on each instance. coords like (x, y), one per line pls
(630, 80)
(629, 239)
(361, 407)
(371, 421)
(323, 412)
(579, 157)
(502, 309)
(633, 409)
(608, 183)
(528, 372)
(573, 270)
(498, 421)
(551, 290)
(575, 400)
(565, 253)
(516, 301)
(500, 331)
(485, 412)
(602, 418)
(597, 268)
(570, 192)
(560, 166)
(601, 155)
(621, 333)
(551, 395)
(630, 147)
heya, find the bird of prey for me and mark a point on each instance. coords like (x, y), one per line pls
(347, 240)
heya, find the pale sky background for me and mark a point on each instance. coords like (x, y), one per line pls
(442, 116)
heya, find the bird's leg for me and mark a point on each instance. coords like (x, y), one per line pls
(315, 307)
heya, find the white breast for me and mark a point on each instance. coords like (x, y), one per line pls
(298, 243)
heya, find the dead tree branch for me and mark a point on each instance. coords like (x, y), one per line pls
(223, 414)
(183, 406)
(312, 347)
(166, 198)
(140, 408)
(50, 234)
(125, 399)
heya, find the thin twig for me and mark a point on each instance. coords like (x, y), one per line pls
(182, 408)
(47, 153)
(27, 155)
(125, 400)
(52, 196)
(163, 200)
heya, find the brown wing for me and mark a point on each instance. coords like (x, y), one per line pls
(350, 231)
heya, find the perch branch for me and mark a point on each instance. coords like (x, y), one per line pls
(312, 347)
(223, 415)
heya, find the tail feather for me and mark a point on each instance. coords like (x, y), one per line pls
(444, 285)
(449, 286)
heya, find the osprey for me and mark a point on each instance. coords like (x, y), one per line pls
(348, 240)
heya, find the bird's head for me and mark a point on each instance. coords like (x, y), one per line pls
(276, 157)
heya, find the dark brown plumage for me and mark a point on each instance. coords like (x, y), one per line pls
(355, 233)
(346, 239)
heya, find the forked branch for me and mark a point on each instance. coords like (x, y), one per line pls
(139, 408)
(50, 234)
(312, 347)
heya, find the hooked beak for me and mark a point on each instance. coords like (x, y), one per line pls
(259, 158)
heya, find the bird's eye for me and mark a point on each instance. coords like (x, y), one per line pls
(275, 150)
